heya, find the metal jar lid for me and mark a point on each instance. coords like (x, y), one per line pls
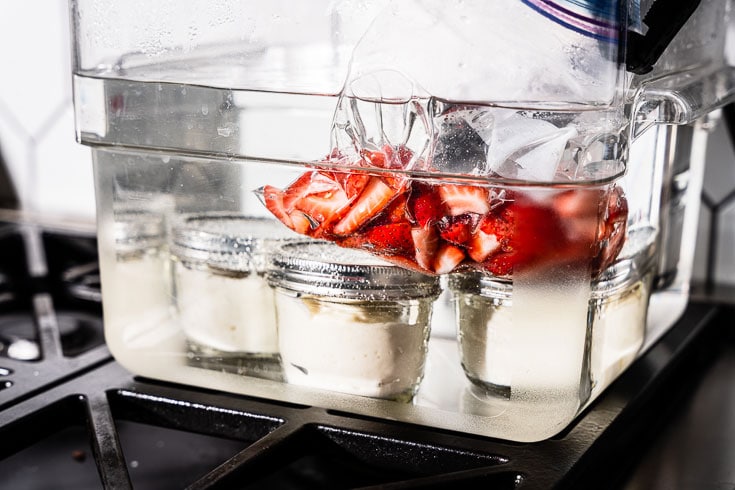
(227, 242)
(137, 231)
(325, 269)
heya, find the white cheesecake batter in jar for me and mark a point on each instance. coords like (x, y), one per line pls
(350, 322)
(224, 305)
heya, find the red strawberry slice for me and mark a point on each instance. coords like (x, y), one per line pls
(376, 196)
(481, 245)
(426, 243)
(307, 184)
(447, 258)
(273, 199)
(499, 223)
(406, 263)
(391, 239)
(457, 229)
(397, 158)
(395, 212)
(301, 223)
(388, 158)
(528, 234)
(501, 264)
(405, 155)
(461, 199)
(352, 183)
(424, 204)
(611, 235)
(322, 208)
(595, 222)
(384, 240)
(375, 158)
(579, 210)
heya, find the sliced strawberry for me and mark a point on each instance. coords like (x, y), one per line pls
(371, 201)
(307, 184)
(499, 223)
(406, 263)
(611, 235)
(501, 264)
(391, 239)
(424, 204)
(460, 199)
(375, 158)
(301, 223)
(457, 229)
(396, 158)
(447, 258)
(405, 155)
(352, 183)
(528, 234)
(323, 208)
(595, 221)
(579, 210)
(538, 234)
(426, 243)
(388, 158)
(398, 182)
(481, 245)
(273, 200)
(395, 212)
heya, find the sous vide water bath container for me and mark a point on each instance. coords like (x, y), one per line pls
(541, 159)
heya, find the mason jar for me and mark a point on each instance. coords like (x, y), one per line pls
(350, 322)
(534, 356)
(223, 303)
(143, 295)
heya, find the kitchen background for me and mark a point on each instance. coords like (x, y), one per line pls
(52, 174)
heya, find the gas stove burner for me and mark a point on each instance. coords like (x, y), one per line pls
(83, 282)
(79, 332)
(19, 337)
(6, 289)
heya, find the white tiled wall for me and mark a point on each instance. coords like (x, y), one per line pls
(53, 174)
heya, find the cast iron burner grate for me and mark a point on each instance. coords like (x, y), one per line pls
(108, 428)
(48, 330)
(74, 418)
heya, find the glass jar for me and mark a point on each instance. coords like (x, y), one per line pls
(545, 355)
(350, 322)
(142, 273)
(223, 303)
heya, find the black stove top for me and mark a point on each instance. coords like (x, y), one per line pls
(71, 417)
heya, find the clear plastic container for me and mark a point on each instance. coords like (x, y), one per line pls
(374, 125)
(349, 322)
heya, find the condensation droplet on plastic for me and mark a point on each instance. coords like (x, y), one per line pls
(224, 131)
